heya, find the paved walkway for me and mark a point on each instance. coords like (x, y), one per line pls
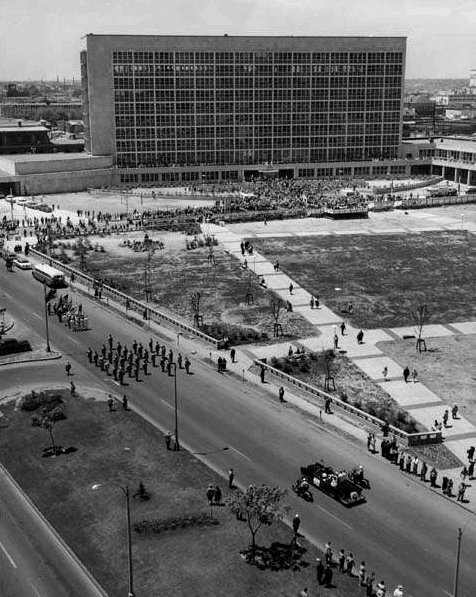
(425, 406)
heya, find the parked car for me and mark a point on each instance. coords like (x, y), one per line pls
(12, 345)
(22, 262)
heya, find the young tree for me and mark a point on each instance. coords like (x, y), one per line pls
(276, 306)
(328, 357)
(259, 505)
(421, 317)
(195, 304)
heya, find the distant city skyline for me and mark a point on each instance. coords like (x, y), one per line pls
(42, 40)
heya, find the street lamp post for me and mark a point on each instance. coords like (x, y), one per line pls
(48, 349)
(176, 444)
(125, 490)
(458, 552)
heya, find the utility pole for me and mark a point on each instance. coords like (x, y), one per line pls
(458, 551)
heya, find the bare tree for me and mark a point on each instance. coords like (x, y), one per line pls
(277, 306)
(195, 304)
(421, 317)
(147, 277)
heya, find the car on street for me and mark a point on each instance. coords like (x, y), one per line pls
(22, 262)
(337, 484)
(12, 345)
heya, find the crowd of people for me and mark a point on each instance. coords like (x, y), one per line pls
(120, 360)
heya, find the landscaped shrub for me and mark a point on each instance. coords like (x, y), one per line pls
(235, 334)
(34, 400)
(158, 525)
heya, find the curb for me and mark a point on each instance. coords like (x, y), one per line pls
(54, 356)
(99, 591)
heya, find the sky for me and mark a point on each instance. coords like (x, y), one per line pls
(40, 39)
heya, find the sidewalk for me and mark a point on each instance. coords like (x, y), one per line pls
(425, 406)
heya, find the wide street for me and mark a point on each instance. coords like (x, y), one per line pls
(405, 532)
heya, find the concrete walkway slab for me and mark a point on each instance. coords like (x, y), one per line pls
(409, 394)
(373, 367)
(313, 233)
(466, 327)
(459, 447)
(272, 350)
(429, 414)
(321, 316)
(389, 231)
(278, 282)
(350, 232)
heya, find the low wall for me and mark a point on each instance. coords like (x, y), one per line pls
(412, 439)
(436, 201)
(124, 299)
(407, 187)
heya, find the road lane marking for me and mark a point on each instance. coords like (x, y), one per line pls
(73, 340)
(166, 403)
(35, 589)
(336, 517)
(240, 453)
(9, 557)
(37, 316)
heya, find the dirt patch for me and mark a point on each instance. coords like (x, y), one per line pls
(385, 276)
(448, 368)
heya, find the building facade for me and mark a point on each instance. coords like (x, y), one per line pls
(218, 108)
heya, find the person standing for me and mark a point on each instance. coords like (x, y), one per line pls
(360, 337)
(349, 564)
(125, 403)
(262, 374)
(319, 570)
(328, 553)
(406, 374)
(168, 439)
(231, 478)
(342, 329)
(312, 302)
(362, 571)
(296, 524)
(187, 365)
(398, 591)
(232, 355)
(446, 416)
(68, 368)
(336, 341)
(281, 394)
(385, 373)
(291, 288)
(414, 375)
(327, 406)
(341, 560)
(381, 589)
(110, 403)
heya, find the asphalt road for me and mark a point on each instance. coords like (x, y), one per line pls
(405, 532)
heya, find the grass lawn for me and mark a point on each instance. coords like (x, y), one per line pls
(448, 368)
(176, 273)
(385, 276)
(121, 447)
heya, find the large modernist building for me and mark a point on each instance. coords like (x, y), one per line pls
(184, 108)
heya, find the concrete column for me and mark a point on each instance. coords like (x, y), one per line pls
(468, 177)
(443, 172)
(455, 178)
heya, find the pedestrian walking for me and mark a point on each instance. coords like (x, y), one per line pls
(385, 373)
(231, 478)
(312, 302)
(360, 337)
(125, 405)
(110, 403)
(291, 288)
(218, 495)
(336, 341)
(316, 302)
(414, 375)
(72, 388)
(296, 524)
(446, 416)
(327, 406)
(281, 394)
(68, 368)
(470, 453)
(232, 355)
(454, 412)
(406, 374)
(342, 329)
(464, 473)
(187, 365)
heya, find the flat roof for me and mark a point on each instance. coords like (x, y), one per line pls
(42, 157)
(457, 143)
(15, 129)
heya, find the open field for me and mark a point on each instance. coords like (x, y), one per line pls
(448, 368)
(385, 276)
(120, 447)
(176, 273)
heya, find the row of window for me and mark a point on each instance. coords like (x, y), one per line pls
(257, 57)
(199, 95)
(256, 157)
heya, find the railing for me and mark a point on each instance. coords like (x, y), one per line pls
(412, 439)
(436, 201)
(407, 187)
(127, 300)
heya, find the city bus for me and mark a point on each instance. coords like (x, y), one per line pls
(50, 276)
